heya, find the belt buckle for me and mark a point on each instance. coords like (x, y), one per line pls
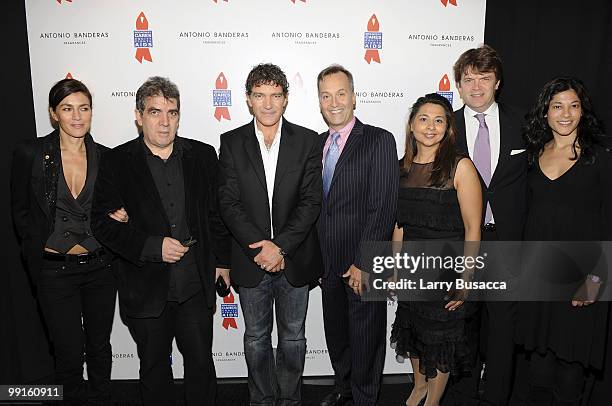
(82, 259)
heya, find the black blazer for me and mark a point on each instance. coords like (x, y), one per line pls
(124, 180)
(35, 170)
(507, 191)
(362, 199)
(296, 202)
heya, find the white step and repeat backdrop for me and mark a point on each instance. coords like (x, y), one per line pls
(397, 50)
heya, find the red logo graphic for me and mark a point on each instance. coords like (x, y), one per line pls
(68, 1)
(222, 98)
(217, 1)
(143, 38)
(444, 88)
(303, 1)
(69, 76)
(228, 303)
(444, 85)
(445, 2)
(372, 40)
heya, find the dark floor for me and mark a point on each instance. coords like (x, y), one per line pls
(234, 392)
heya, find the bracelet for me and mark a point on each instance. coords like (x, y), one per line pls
(594, 278)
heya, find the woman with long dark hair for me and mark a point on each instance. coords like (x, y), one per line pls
(570, 199)
(52, 181)
(439, 199)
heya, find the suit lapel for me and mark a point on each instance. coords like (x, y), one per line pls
(251, 147)
(189, 171)
(505, 128)
(461, 137)
(352, 143)
(285, 153)
(143, 176)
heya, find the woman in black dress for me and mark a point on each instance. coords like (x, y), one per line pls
(439, 199)
(52, 181)
(570, 199)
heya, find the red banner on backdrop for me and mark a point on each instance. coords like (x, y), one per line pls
(220, 111)
(69, 76)
(372, 54)
(445, 2)
(142, 24)
(229, 321)
(303, 1)
(444, 85)
(68, 1)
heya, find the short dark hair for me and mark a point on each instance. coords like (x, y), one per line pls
(65, 88)
(537, 132)
(335, 68)
(157, 86)
(266, 74)
(483, 59)
(446, 155)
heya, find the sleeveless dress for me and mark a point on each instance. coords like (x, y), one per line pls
(426, 330)
(577, 206)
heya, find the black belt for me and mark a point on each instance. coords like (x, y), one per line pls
(489, 227)
(74, 258)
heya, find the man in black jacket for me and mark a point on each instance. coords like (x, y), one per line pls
(490, 134)
(270, 198)
(173, 247)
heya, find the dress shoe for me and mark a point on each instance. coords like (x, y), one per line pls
(336, 399)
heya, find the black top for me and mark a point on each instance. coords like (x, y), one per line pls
(72, 216)
(577, 206)
(425, 211)
(168, 177)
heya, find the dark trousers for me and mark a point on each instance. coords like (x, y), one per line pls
(355, 332)
(78, 305)
(490, 333)
(191, 323)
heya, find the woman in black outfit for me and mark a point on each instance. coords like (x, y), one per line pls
(52, 181)
(570, 199)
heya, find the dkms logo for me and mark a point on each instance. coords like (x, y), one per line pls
(143, 38)
(69, 76)
(65, 1)
(303, 1)
(222, 98)
(452, 2)
(444, 89)
(218, 2)
(372, 40)
(229, 311)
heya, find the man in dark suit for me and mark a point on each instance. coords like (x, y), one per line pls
(171, 250)
(270, 198)
(490, 134)
(360, 185)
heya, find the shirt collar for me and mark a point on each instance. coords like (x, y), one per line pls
(345, 131)
(491, 111)
(177, 148)
(260, 135)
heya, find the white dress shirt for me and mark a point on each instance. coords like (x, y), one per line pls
(270, 159)
(471, 131)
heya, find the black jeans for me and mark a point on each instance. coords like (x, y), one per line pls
(191, 323)
(78, 305)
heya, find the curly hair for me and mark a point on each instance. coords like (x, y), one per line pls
(157, 86)
(537, 132)
(266, 74)
(446, 153)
